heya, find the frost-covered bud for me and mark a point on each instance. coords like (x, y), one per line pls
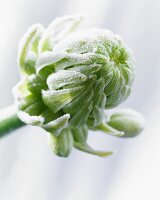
(128, 121)
(69, 78)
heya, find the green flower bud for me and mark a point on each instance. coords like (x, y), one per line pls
(68, 80)
(128, 121)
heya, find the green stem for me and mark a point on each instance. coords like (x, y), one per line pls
(9, 121)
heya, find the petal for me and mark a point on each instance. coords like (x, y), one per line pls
(80, 118)
(63, 78)
(31, 120)
(57, 30)
(56, 100)
(56, 61)
(56, 126)
(27, 49)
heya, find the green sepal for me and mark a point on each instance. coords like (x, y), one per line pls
(106, 128)
(86, 148)
(80, 134)
(96, 117)
(62, 144)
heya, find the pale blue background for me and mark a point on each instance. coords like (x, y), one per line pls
(28, 169)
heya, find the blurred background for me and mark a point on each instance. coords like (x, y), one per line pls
(28, 169)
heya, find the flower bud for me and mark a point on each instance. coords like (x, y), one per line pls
(128, 121)
(68, 80)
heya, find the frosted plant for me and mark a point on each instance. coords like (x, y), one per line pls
(68, 81)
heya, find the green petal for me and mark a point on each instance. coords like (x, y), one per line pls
(56, 61)
(56, 100)
(78, 103)
(36, 84)
(87, 69)
(31, 120)
(112, 86)
(63, 78)
(116, 97)
(98, 91)
(80, 118)
(56, 126)
(28, 49)
(57, 30)
(31, 104)
(128, 74)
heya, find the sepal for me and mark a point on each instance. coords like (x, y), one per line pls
(62, 144)
(86, 148)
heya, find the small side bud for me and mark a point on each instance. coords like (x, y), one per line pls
(62, 144)
(128, 121)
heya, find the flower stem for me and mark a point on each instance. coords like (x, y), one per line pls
(9, 121)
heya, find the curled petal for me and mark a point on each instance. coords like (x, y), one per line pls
(57, 30)
(56, 126)
(27, 53)
(31, 120)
